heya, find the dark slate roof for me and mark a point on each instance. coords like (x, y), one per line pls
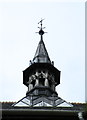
(41, 54)
(62, 113)
(76, 107)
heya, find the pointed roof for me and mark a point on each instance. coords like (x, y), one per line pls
(41, 54)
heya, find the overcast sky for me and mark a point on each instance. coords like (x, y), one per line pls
(65, 43)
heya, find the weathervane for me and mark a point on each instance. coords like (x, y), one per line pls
(41, 32)
(41, 24)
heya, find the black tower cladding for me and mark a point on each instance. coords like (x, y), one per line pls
(41, 78)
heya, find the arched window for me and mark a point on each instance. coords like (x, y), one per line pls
(41, 81)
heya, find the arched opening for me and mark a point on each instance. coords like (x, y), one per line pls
(33, 83)
(41, 81)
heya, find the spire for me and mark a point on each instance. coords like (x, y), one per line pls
(41, 54)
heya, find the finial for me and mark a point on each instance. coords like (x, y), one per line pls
(41, 23)
(41, 32)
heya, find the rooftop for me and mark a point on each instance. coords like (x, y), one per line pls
(76, 107)
(43, 112)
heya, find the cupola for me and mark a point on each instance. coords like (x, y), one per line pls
(41, 79)
(41, 76)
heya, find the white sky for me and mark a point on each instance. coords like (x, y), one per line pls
(65, 43)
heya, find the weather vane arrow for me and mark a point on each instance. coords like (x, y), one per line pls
(41, 32)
